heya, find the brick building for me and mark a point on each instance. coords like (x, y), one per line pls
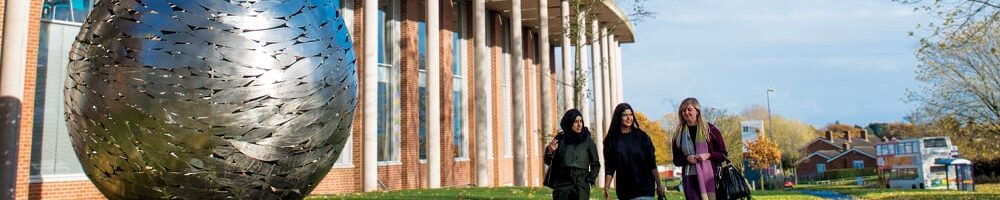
(837, 150)
(46, 166)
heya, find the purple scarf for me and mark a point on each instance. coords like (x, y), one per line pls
(706, 174)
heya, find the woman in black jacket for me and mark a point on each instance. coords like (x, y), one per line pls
(629, 158)
(572, 158)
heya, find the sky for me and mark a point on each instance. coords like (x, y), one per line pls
(827, 60)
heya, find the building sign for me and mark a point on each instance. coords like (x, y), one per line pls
(749, 130)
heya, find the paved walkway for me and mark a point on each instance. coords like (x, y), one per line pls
(826, 194)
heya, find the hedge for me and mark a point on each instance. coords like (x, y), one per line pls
(848, 173)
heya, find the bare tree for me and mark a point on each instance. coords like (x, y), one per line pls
(961, 76)
(956, 15)
(585, 9)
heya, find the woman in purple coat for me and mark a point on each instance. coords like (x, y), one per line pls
(698, 148)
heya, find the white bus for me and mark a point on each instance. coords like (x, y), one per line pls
(922, 163)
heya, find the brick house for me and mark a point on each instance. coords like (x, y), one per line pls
(832, 152)
(47, 167)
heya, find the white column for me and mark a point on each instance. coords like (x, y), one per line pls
(606, 78)
(595, 68)
(619, 88)
(371, 96)
(433, 95)
(517, 72)
(612, 75)
(567, 81)
(484, 128)
(545, 76)
(618, 71)
(15, 43)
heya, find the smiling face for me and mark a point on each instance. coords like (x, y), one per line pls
(578, 124)
(690, 114)
(628, 119)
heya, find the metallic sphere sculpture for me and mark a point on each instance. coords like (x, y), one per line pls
(210, 99)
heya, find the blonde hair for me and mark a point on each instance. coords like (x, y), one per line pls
(702, 133)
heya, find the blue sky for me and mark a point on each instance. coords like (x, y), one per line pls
(828, 60)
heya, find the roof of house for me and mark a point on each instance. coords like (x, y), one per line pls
(867, 151)
(826, 154)
(839, 142)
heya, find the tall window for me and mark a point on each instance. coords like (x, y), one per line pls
(346, 155)
(52, 156)
(388, 82)
(422, 91)
(458, 43)
(820, 168)
(858, 164)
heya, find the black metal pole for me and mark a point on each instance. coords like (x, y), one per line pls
(10, 111)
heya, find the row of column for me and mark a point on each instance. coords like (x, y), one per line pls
(605, 80)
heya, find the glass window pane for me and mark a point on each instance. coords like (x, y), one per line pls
(66, 10)
(422, 107)
(52, 152)
(383, 121)
(422, 44)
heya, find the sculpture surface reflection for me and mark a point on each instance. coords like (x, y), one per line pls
(210, 99)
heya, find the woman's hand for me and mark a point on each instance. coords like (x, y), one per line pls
(660, 190)
(693, 159)
(606, 197)
(704, 156)
(553, 145)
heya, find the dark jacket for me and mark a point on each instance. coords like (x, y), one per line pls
(716, 148)
(630, 158)
(579, 153)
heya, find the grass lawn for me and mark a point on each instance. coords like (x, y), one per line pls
(518, 193)
(983, 191)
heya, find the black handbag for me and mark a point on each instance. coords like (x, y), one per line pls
(730, 183)
(547, 182)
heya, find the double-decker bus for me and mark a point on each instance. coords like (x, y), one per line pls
(922, 163)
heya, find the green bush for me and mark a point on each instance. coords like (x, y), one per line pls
(849, 173)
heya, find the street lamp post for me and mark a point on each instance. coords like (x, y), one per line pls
(771, 128)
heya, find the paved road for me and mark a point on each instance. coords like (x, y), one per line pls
(826, 194)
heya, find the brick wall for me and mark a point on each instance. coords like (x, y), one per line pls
(847, 161)
(411, 11)
(65, 190)
(2, 6)
(27, 109)
(808, 167)
(447, 17)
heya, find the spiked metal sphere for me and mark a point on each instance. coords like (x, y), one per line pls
(210, 99)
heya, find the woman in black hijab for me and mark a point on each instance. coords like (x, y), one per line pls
(572, 158)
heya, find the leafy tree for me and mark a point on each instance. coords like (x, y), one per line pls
(763, 154)
(789, 134)
(729, 125)
(660, 139)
